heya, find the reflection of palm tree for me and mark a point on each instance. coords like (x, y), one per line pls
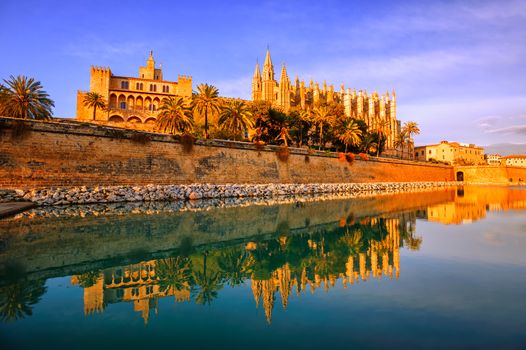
(88, 279)
(16, 299)
(174, 274)
(235, 266)
(208, 285)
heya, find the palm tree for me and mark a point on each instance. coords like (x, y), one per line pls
(350, 134)
(380, 130)
(206, 99)
(174, 116)
(369, 143)
(235, 266)
(401, 141)
(411, 128)
(94, 100)
(322, 115)
(23, 98)
(235, 117)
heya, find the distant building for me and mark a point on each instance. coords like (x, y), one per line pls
(494, 159)
(133, 101)
(515, 160)
(451, 153)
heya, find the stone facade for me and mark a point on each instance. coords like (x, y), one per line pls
(452, 153)
(378, 111)
(132, 101)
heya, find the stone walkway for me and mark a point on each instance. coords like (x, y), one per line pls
(10, 208)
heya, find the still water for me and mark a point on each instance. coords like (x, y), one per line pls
(441, 269)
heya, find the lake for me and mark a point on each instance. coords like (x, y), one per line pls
(442, 269)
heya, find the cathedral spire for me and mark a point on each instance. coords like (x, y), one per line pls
(257, 73)
(284, 77)
(268, 67)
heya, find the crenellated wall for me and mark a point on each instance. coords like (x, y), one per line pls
(75, 154)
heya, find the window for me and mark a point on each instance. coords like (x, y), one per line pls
(166, 88)
(153, 88)
(139, 86)
(125, 85)
(429, 151)
(152, 108)
(122, 105)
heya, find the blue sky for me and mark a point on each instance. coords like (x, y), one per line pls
(458, 67)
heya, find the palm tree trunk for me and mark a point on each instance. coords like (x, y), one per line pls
(94, 112)
(206, 123)
(321, 136)
(346, 148)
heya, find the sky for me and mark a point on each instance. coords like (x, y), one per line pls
(458, 67)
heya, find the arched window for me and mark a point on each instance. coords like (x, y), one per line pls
(138, 86)
(152, 107)
(122, 105)
(153, 87)
(125, 85)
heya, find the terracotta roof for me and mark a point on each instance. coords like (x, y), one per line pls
(521, 156)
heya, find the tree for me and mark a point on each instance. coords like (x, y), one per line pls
(350, 134)
(284, 135)
(94, 100)
(23, 98)
(174, 116)
(235, 117)
(402, 139)
(206, 99)
(369, 143)
(381, 125)
(411, 128)
(321, 117)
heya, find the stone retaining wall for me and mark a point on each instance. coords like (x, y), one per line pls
(82, 154)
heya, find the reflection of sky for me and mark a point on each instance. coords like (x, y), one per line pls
(457, 66)
(499, 238)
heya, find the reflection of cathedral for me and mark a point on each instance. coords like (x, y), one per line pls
(382, 259)
(141, 283)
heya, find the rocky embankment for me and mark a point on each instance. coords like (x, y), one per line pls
(116, 194)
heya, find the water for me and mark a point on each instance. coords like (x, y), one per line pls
(443, 269)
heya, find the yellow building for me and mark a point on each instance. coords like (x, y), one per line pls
(451, 153)
(515, 160)
(131, 101)
(377, 111)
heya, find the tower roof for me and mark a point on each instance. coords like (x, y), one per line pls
(284, 77)
(257, 73)
(268, 60)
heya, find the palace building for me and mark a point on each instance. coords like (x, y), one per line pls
(132, 101)
(378, 111)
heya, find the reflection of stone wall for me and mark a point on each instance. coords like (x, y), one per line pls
(74, 154)
(49, 243)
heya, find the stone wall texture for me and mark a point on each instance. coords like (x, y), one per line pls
(45, 154)
(492, 174)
